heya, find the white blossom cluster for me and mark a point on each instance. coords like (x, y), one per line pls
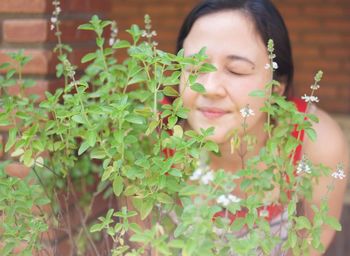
(311, 98)
(339, 172)
(274, 65)
(55, 13)
(114, 33)
(303, 166)
(204, 175)
(246, 112)
(225, 200)
(315, 87)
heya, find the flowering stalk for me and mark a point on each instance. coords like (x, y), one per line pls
(273, 66)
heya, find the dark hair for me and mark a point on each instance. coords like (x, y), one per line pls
(268, 23)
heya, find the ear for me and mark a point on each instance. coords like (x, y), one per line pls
(280, 89)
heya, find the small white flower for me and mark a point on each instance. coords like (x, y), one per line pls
(314, 87)
(52, 27)
(308, 99)
(111, 41)
(234, 199)
(264, 213)
(267, 66)
(223, 200)
(274, 65)
(208, 177)
(303, 166)
(246, 112)
(57, 11)
(339, 173)
(196, 174)
(53, 20)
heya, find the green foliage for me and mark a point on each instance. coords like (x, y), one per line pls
(108, 127)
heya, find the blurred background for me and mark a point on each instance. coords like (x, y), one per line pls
(319, 30)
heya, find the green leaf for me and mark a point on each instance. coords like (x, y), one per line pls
(164, 198)
(42, 201)
(170, 91)
(178, 131)
(207, 67)
(151, 127)
(88, 57)
(333, 223)
(11, 139)
(146, 208)
(176, 243)
(4, 65)
(79, 119)
(211, 146)
(135, 119)
(10, 73)
(175, 172)
(96, 228)
(121, 44)
(302, 222)
(18, 152)
(172, 121)
(130, 190)
(188, 191)
(292, 239)
(27, 158)
(311, 133)
(198, 88)
(98, 153)
(86, 27)
(118, 185)
(83, 147)
(107, 173)
(258, 93)
(91, 138)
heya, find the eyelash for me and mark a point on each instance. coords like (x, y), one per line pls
(235, 73)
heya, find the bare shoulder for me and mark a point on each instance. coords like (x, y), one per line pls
(330, 147)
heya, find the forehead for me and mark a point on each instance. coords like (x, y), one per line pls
(224, 31)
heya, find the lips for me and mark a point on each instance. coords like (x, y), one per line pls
(212, 112)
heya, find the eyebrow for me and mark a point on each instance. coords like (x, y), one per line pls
(240, 58)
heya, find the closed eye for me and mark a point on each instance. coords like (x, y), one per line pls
(237, 73)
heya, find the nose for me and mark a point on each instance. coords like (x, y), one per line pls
(213, 83)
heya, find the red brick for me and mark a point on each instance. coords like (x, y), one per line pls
(339, 52)
(323, 38)
(17, 170)
(304, 24)
(85, 5)
(289, 10)
(25, 30)
(23, 6)
(39, 64)
(306, 51)
(38, 89)
(341, 25)
(324, 10)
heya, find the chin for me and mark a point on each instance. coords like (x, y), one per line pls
(218, 138)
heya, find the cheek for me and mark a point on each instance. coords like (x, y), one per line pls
(188, 97)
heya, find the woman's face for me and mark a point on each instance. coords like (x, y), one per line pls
(239, 55)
